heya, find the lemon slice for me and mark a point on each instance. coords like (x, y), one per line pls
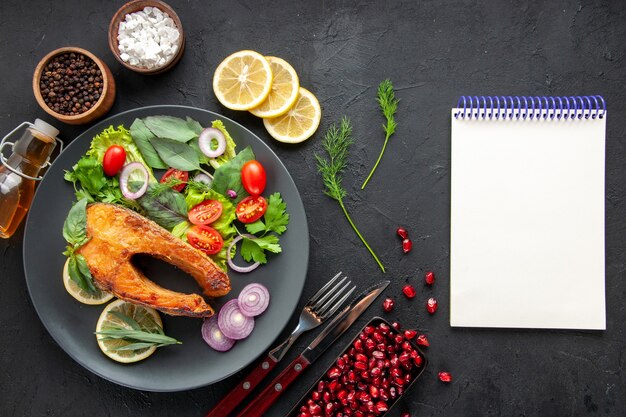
(148, 319)
(284, 90)
(81, 295)
(299, 123)
(243, 80)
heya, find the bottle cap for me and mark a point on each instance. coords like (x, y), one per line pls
(46, 128)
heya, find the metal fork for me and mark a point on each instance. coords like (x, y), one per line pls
(322, 305)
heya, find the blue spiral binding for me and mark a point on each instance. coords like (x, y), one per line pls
(531, 107)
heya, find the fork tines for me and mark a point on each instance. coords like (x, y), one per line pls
(327, 300)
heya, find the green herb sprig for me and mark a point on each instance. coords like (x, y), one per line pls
(386, 98)
(336, 143)
(136, 337)
(75, 234)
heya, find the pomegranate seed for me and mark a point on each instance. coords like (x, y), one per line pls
(445, 376)
(379, 337)
(364, 397)
(431, 305)
(334, 373)
(365, 375)
(398, 339)
(381, 407)
(429, 277)
(396, 372)
(360, 357)
(388, 304)
(315, 409)
(384, 328)
(405, 415)
(406, 346)
(378, 354)
(316, 396)
(409, 291)
(321, 385)
(370, 344)
(376, 372)
(328, 408)
(407, 245)
(342, 394)
(326, 396)
(374, 391)
(361, 366)
(392, 392)
(410, 334)
(334, 386)
(382, 393)
(404, 358)
(368, 330)
(402, 232)
(422, 340)
(396, 325)
(358, 345)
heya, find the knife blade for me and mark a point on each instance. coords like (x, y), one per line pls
(311, 353)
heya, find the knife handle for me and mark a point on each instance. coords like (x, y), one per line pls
(243, 388)
(260, 404)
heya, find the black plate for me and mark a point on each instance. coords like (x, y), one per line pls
(173, 368)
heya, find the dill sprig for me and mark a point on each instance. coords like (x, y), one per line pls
(388, 103)
(336, 143)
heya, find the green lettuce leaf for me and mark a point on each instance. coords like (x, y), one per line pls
(228, 176)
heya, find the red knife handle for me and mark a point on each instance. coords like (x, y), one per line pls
(259, 406)
(243, 389)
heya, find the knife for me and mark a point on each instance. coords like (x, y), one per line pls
(327, 337)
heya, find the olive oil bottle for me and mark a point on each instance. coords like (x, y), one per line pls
(19, 172)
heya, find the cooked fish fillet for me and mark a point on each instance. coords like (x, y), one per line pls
(117, 234)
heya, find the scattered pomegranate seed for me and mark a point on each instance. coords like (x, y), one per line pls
(407, 245)
(409, 291)
(405, 415)
(396, 325)
(429, 277)
(431, 305)
(388, 304)
(410, 334)
(402, 233)
(445, 376)
(422, 340)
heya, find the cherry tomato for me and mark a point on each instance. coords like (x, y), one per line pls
(206, 212)
(177, 174)
(253, 177)
(113, 160)
(205, 238)
(250, 209)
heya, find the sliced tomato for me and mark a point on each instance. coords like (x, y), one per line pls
(205, 238)
(206, 212)
(253, 177)
(113, 160)
(177, 174)
(251, 208)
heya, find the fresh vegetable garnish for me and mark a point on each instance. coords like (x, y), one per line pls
(98, 297)
(164, 206)
(388, 104)
(233, 323)
(336, 143)
(253, 299)
(203, 178)
(275, 220)
(205, 238)
(206, 212)
(214, 337)
(253, 177)
(206, 139)
(228, 175)
(120, 136)
(129, 333)
(113, 160)
(75, 234)
(231, 263)
(182, 176)
(253, 249)
(251, 209)
(125, 178)
(299, 123)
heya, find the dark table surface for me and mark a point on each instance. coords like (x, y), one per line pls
(434, 52)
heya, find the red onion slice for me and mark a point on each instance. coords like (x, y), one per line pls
(242, 269)
(125, 176)
(233, 323)
(207, 136)
(203, 178)
(214, 337)
(253, 299)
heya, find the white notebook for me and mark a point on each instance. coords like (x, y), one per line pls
(527, 212)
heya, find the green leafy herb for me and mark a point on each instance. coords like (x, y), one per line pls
(194, 125)
(142, 137)
(167, 208)
(388, 104)
(254, 249)
(79, 273)
(228, 176)
(276, 218)
(176, 154)
(336, 143)
(75, 225)
(181, 229)
(169, 127)
(89, 174)
(136, 337)
(229, 153)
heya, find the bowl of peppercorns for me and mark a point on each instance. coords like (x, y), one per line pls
(74, 86)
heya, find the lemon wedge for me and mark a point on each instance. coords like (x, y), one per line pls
(299, 123)
(284, 92)
(100, 297)
(243, 80)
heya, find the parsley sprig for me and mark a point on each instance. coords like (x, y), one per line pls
(386, 98)
(336, 143)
